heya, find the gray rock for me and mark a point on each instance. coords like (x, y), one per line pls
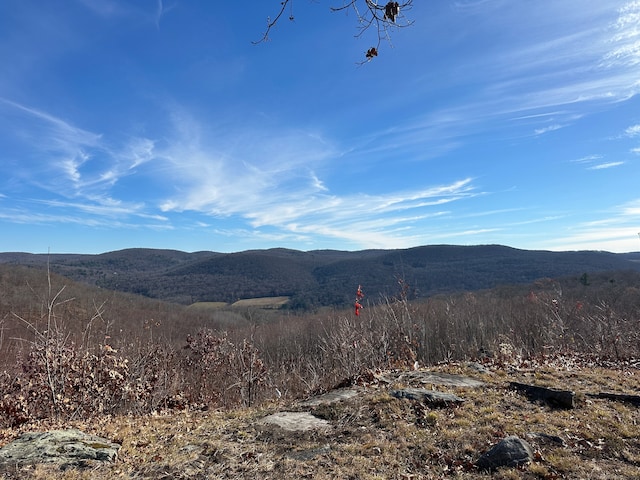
(333, 396)
(68, 448)
(509, 452)
(439, 378)
(430, 397)
(296, 421)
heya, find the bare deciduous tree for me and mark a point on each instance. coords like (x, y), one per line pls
(370, 15)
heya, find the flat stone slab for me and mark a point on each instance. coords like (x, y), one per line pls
(333, 396)
(430, 397)
(296, 421)
(439, 378)
(69, 448)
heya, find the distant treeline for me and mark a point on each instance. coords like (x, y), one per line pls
(322, 277)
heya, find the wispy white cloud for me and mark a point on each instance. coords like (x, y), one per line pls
(626, 40)
(161, 11)
(624, 239)
(270, 179)
(542, 115)
(105, 207)
(66, 159)
(59, 132)
(632, 131)
(369, 220)
(74, 170)
(137, 152)
(259, 235)
(550, 128)
(360, 218)
(544, 85)
(56, 152)
(531, 76)
(66, 216)
(317, 184)
(604, 166)
(136, 11)
(588, 159)
(594, 162)
(631, 209)
(618, 232)
(234, 172)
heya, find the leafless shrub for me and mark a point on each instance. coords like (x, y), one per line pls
(221, 372)
(58, 378)
(207, 361)
(610, 333)
(71, 367)
(59, 381)
(249, 370)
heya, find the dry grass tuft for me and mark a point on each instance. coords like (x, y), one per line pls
(376, 436)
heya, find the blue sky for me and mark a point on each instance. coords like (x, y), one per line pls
(159, 124)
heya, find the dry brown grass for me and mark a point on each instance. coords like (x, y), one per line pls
(376, 436)
(207, 305)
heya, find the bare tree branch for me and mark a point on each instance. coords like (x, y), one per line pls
(369, 14)
(272, 23)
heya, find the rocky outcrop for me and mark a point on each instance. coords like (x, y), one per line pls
(432, 398)
(424, 377)
(68, 448)
(296, 421)
(302, 421)
(333, 396)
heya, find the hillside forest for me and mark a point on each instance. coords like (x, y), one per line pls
(320, 278)
(75, 349)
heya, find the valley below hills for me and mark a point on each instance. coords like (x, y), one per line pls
(312, 279)
(543, 346)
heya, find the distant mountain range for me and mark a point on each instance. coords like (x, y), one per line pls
(320, 277)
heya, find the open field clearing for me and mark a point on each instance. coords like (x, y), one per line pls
(263, 302)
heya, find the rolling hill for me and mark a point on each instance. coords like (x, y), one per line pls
(319, 277)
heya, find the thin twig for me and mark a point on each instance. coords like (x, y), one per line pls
(382, 16)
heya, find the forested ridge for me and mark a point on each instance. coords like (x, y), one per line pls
(321, 277)
(74, 354)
